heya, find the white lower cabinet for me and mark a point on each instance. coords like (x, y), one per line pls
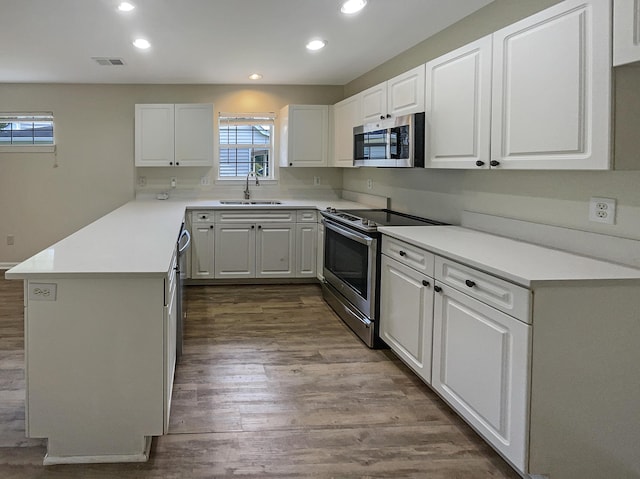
(265, 244)
(202, 247)
(235, 250)
(406, 314)
(481, 368)
(275, 251)
(305, 247)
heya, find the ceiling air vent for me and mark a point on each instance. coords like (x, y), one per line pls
(107, 62)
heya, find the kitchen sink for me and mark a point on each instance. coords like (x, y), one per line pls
(250, 202)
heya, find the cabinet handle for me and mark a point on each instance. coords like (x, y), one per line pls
(290, 164)
(479, 163)
(494, 163)
(171, 163)
(425, 283)
(210, 226)
(437, 289)
(470, 283)
(382, 117)
(402, 253)
(388, 116)
(259, 227)
(177, 163)
(253, 226)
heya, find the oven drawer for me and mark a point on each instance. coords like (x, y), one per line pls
(502, 295)
(408, 254)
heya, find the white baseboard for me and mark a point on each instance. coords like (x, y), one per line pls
(142, 456)
(596, 245)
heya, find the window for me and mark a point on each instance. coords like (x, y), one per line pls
(246, 145)
(26, 129)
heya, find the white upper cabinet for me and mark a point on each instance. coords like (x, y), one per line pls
(347, 114)
(458, 107)
(304, 135)
(402, 95)
(174, 135)
(194, 134)
(405, 93)
(154, 138)
(626, 31)
(552, 89)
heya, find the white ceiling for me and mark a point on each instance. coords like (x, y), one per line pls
(212, 41)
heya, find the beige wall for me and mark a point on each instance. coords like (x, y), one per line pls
(551, 197)
(94, 124)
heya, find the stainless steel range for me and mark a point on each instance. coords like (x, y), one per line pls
(352, 265)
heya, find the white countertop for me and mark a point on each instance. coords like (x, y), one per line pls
(522, 263)
(138, 238)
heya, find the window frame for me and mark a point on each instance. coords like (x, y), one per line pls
(249, 118)
(25, 117)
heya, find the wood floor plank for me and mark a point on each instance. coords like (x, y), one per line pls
(271, 385)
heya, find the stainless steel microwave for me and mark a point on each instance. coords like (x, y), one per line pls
(395, 142)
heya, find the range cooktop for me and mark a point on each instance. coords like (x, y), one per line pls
(369, 220)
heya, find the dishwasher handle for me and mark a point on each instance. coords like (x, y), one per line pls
(185, 234)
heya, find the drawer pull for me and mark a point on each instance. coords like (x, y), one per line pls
(425, 283)
(437, 289)
(402, 253)
(470, 283)
(479, 163)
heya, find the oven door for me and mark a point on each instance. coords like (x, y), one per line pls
(350, 265)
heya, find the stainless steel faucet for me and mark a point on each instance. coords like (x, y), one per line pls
(247, 193)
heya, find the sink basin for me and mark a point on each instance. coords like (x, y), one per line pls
(250, 202)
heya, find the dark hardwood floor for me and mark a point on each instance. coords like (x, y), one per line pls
(271, 385)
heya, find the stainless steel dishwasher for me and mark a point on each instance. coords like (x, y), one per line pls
(184, 241)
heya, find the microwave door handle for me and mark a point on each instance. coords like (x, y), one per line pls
(362, 239)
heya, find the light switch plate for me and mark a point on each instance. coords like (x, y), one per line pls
(43, 291)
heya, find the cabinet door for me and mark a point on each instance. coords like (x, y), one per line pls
(194, 134)
(320, 251)
(347, 114)
(154, 140)
(306, 254)
(626, 31)
(552, 89)
(202, 241)
(405, 92)
(275, 250)
(406, 314)
(235, 250)
(374, 103)
(304, 136)
(481, 367)
(458, 107)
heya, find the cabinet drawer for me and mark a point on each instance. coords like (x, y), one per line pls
(201, 217)
(255, 216)
(307, 216)
(502, 295)
(408, 254)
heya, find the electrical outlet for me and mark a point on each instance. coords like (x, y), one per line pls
(173, 182)
(602, 210)
(42, 291)
(316, 180)
(205, 181)
(10, 240)
(142, 181)
(369, 184)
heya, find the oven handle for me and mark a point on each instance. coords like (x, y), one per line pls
(360, 238)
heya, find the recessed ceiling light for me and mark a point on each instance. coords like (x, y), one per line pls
(255, 76)
(316, 45)
(141, 43)
(126, 7)
(352, 6)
